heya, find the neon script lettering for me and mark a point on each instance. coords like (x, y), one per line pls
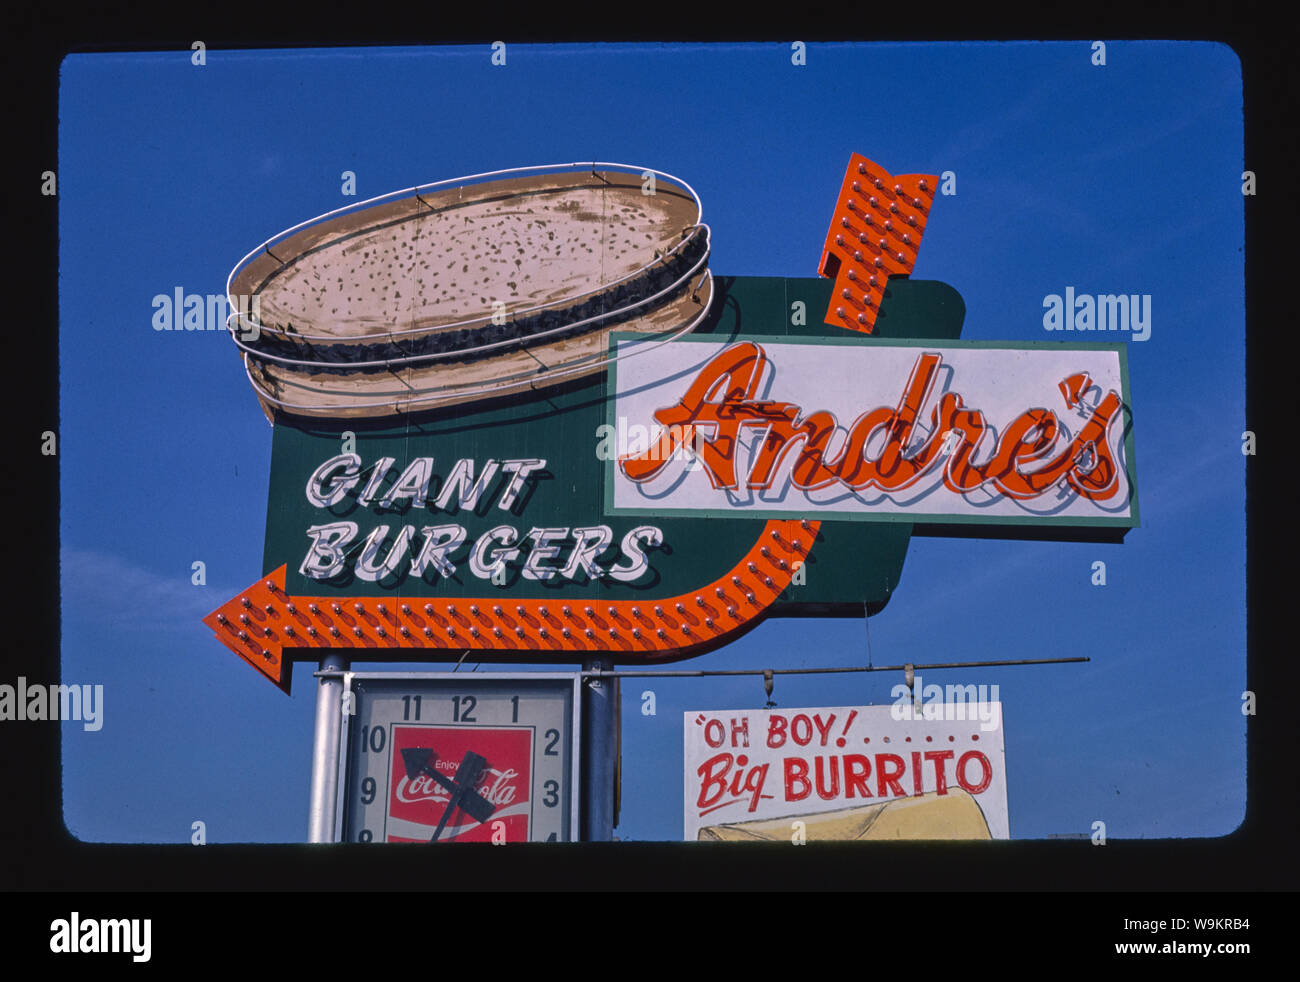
(721, 399)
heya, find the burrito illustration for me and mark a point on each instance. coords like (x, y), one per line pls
(954, 815)
(469, 289)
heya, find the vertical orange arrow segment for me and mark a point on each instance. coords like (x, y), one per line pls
(261, 623)
(875, 234)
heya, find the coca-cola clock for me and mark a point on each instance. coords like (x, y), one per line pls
(465, 757)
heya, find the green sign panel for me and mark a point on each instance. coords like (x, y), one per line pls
(507, 499)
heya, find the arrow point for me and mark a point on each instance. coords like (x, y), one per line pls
(414, 760)
(242, 623)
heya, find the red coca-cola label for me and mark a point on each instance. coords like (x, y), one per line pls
(416, 804)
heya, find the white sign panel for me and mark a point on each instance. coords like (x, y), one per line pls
(908, 431)
(865, 772)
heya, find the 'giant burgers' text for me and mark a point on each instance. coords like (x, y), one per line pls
(439, 549)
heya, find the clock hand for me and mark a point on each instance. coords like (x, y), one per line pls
(467, 775)
(471, 802)
(420, 760)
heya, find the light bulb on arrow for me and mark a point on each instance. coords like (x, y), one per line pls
(264, 625)
(420, 760)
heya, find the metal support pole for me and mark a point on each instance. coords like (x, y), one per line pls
(325, 751)
(599, 742)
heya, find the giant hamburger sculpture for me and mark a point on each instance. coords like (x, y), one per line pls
(467, 289)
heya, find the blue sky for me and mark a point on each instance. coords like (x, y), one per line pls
(1122, 178)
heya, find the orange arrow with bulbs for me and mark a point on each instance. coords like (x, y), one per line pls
(875, 234)
(264, 624)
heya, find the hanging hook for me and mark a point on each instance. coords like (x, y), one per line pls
(910, 677)
(767, 688)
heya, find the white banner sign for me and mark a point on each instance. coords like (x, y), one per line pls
(867, 772)
(910, 431)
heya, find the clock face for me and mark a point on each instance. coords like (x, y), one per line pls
(460, 758)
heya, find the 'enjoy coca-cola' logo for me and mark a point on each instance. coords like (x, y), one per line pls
(419, 802)
(722, 400)
(499, 788)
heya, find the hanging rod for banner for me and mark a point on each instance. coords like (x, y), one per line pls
(802, 671)
(820, 671)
